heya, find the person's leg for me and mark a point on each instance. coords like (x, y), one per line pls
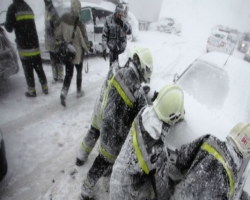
(113, 56)
(88, 144)
(37, 64)
(79, 80)
(57, 67)
(67, 82)
(97, 170)
(53, 67)
(29, 76)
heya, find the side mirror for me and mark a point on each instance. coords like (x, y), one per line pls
(176, 77)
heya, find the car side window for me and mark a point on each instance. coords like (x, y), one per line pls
(86, 16)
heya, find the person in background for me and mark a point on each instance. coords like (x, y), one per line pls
(21, 19)
(121, 104)
(115, 32)
(51, 22)
(141, 171)
(212, 168)
(81, 44)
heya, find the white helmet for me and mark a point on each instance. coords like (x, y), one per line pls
(240, 135)
(144, 56)
(169, 104)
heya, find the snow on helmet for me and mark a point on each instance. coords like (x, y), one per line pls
(169, 104)
(240, 135)
(145, 63)
(120, 9)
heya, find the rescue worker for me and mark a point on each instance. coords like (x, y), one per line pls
(80, 43)
(124, 100)
(142, 162)
(93, 133)
(21, 19)
(211, 167)
(115, 31)
(51, 22)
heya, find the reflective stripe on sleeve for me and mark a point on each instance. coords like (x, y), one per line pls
(28, 53)
(23, 15)
(205, 146)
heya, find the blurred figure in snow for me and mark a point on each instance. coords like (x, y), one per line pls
(142, 162)
(122, 101)
(21, 19)
(115, 31)
(51, 22)
(212, 168)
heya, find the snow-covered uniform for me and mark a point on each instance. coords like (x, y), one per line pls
(142, 163)
(51, 22)
(21, 19)
(121, 105)
(210, 169)
(114, 37)
(80, 42)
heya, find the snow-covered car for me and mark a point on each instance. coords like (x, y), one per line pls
(3, 160)
(94, 17)
(220, 41)
(8, 57)
(247, 56)
(216, 97)
(166, 24)
(244, 44)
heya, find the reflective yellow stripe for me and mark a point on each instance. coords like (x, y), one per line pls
(106, 154)
(86, 148)
(138, 151)
(218, 157)
(23, 17)
(28, 54)
(121, 92)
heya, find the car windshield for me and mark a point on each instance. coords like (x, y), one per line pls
(206, 83)
(219, 35)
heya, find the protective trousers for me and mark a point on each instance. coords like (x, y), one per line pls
(113, 56)
(57, 67)
(30, 64)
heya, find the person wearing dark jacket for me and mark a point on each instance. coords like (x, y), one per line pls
(80, 43)
(51, 22)
(141, 170)
(212, 168)
(21, 19)
(115, 31)
(121, 104)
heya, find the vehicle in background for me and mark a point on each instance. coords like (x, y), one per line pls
(220, 41)
(243, 45)
(94, 17)
(212, 92)
(166, 24)
(247, 56)
(3, 160)
(8, 57)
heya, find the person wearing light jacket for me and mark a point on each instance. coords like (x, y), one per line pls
(81, 44)
(212, 168)
(141, 170)
(121, 103)
(51, 22)
(21, 19)
(115, 31)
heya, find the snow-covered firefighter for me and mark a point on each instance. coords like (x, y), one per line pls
(122, 102)
(93, 133)
(115, 31)
(141, 169)
(211, 167)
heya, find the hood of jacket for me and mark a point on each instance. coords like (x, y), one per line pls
(75, 7)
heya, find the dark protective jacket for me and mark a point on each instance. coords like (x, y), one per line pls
(21, 19)
(140, 171)
(114, 35)
(124, 100)
(210, 170)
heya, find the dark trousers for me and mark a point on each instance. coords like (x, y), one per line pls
(113, 56)
(69, 74)
(31, 64)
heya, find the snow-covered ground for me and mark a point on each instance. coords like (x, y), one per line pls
(42, 137)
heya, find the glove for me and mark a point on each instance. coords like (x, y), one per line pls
(146, 89)
(104, 54)
(91, 50)
(155, 96)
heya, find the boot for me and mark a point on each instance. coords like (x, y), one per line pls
(62, 97)
(87, 190)
(80, 94)
(45, 89)
(30, 94)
